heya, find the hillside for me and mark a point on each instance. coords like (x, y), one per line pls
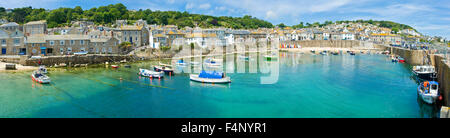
(107, 15)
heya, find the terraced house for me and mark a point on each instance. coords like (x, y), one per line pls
(12, 42)
(135, 34)
(50, 45)
(35, 27)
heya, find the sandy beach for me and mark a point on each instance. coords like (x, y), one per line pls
(18, 68)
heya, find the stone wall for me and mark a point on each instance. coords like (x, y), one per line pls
(332, 43)
(71, 60)
(443, 72)
(412, 57)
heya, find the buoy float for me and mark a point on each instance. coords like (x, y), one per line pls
(440, 98)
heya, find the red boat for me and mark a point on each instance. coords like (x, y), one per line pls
(401, 60)
(114, 66)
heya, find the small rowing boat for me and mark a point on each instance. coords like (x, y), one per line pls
(115, 66)
(401, 60)
(43, 69)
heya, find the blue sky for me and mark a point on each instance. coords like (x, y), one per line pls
(431, 17)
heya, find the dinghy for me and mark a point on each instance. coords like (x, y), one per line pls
(43, 69)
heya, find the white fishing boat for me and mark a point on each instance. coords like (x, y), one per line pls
(150, 73)
(428, 91)
(39, 77)
(43, 69)
(426, 72)
(210, 77)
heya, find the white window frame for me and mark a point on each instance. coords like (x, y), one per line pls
(81, 42)
(52, 42)
(3, 42)
(16, 41)
(62, 42)
(72, 42)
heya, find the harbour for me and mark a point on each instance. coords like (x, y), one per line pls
(308, 86)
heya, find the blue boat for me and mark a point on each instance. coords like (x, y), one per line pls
(210, 77)
(428, 91)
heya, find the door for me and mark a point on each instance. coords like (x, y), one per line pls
(3, 51)
(131, 40)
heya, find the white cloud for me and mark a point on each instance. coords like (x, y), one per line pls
(271, 15)
(189, 6)
(170, 1)
(204, 6)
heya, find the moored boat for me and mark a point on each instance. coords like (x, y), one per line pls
(150, 73)
(428, 91)
(210, 77)
(313, 51)
(43, 69)
(401, 60)
(39, 77)
(115, 66)
(181, 63)
(166, 69)
(352, 53)
(270, 57)
(426, 72)
(324, 53)
(243, 57)
(210, 62)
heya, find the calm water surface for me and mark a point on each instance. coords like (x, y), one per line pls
(308, 86)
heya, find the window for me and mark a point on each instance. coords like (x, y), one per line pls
(104, 50)
(81, 42)
(83, 49)
(72, 42)
(16, 41)
(110, 49)
(61, 42)
(69, 50)
(3, 42)
(61, 50)
(52, 42)
(96, 50)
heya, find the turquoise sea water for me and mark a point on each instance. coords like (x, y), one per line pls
(308, 86)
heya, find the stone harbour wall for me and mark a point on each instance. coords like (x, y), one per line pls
(72, 60)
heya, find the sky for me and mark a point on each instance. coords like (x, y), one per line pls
(430, 17)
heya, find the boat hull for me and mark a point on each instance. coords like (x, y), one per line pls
(165, 71)
(424, 76)
(41, 81)
(194, 77)
(428, 98)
